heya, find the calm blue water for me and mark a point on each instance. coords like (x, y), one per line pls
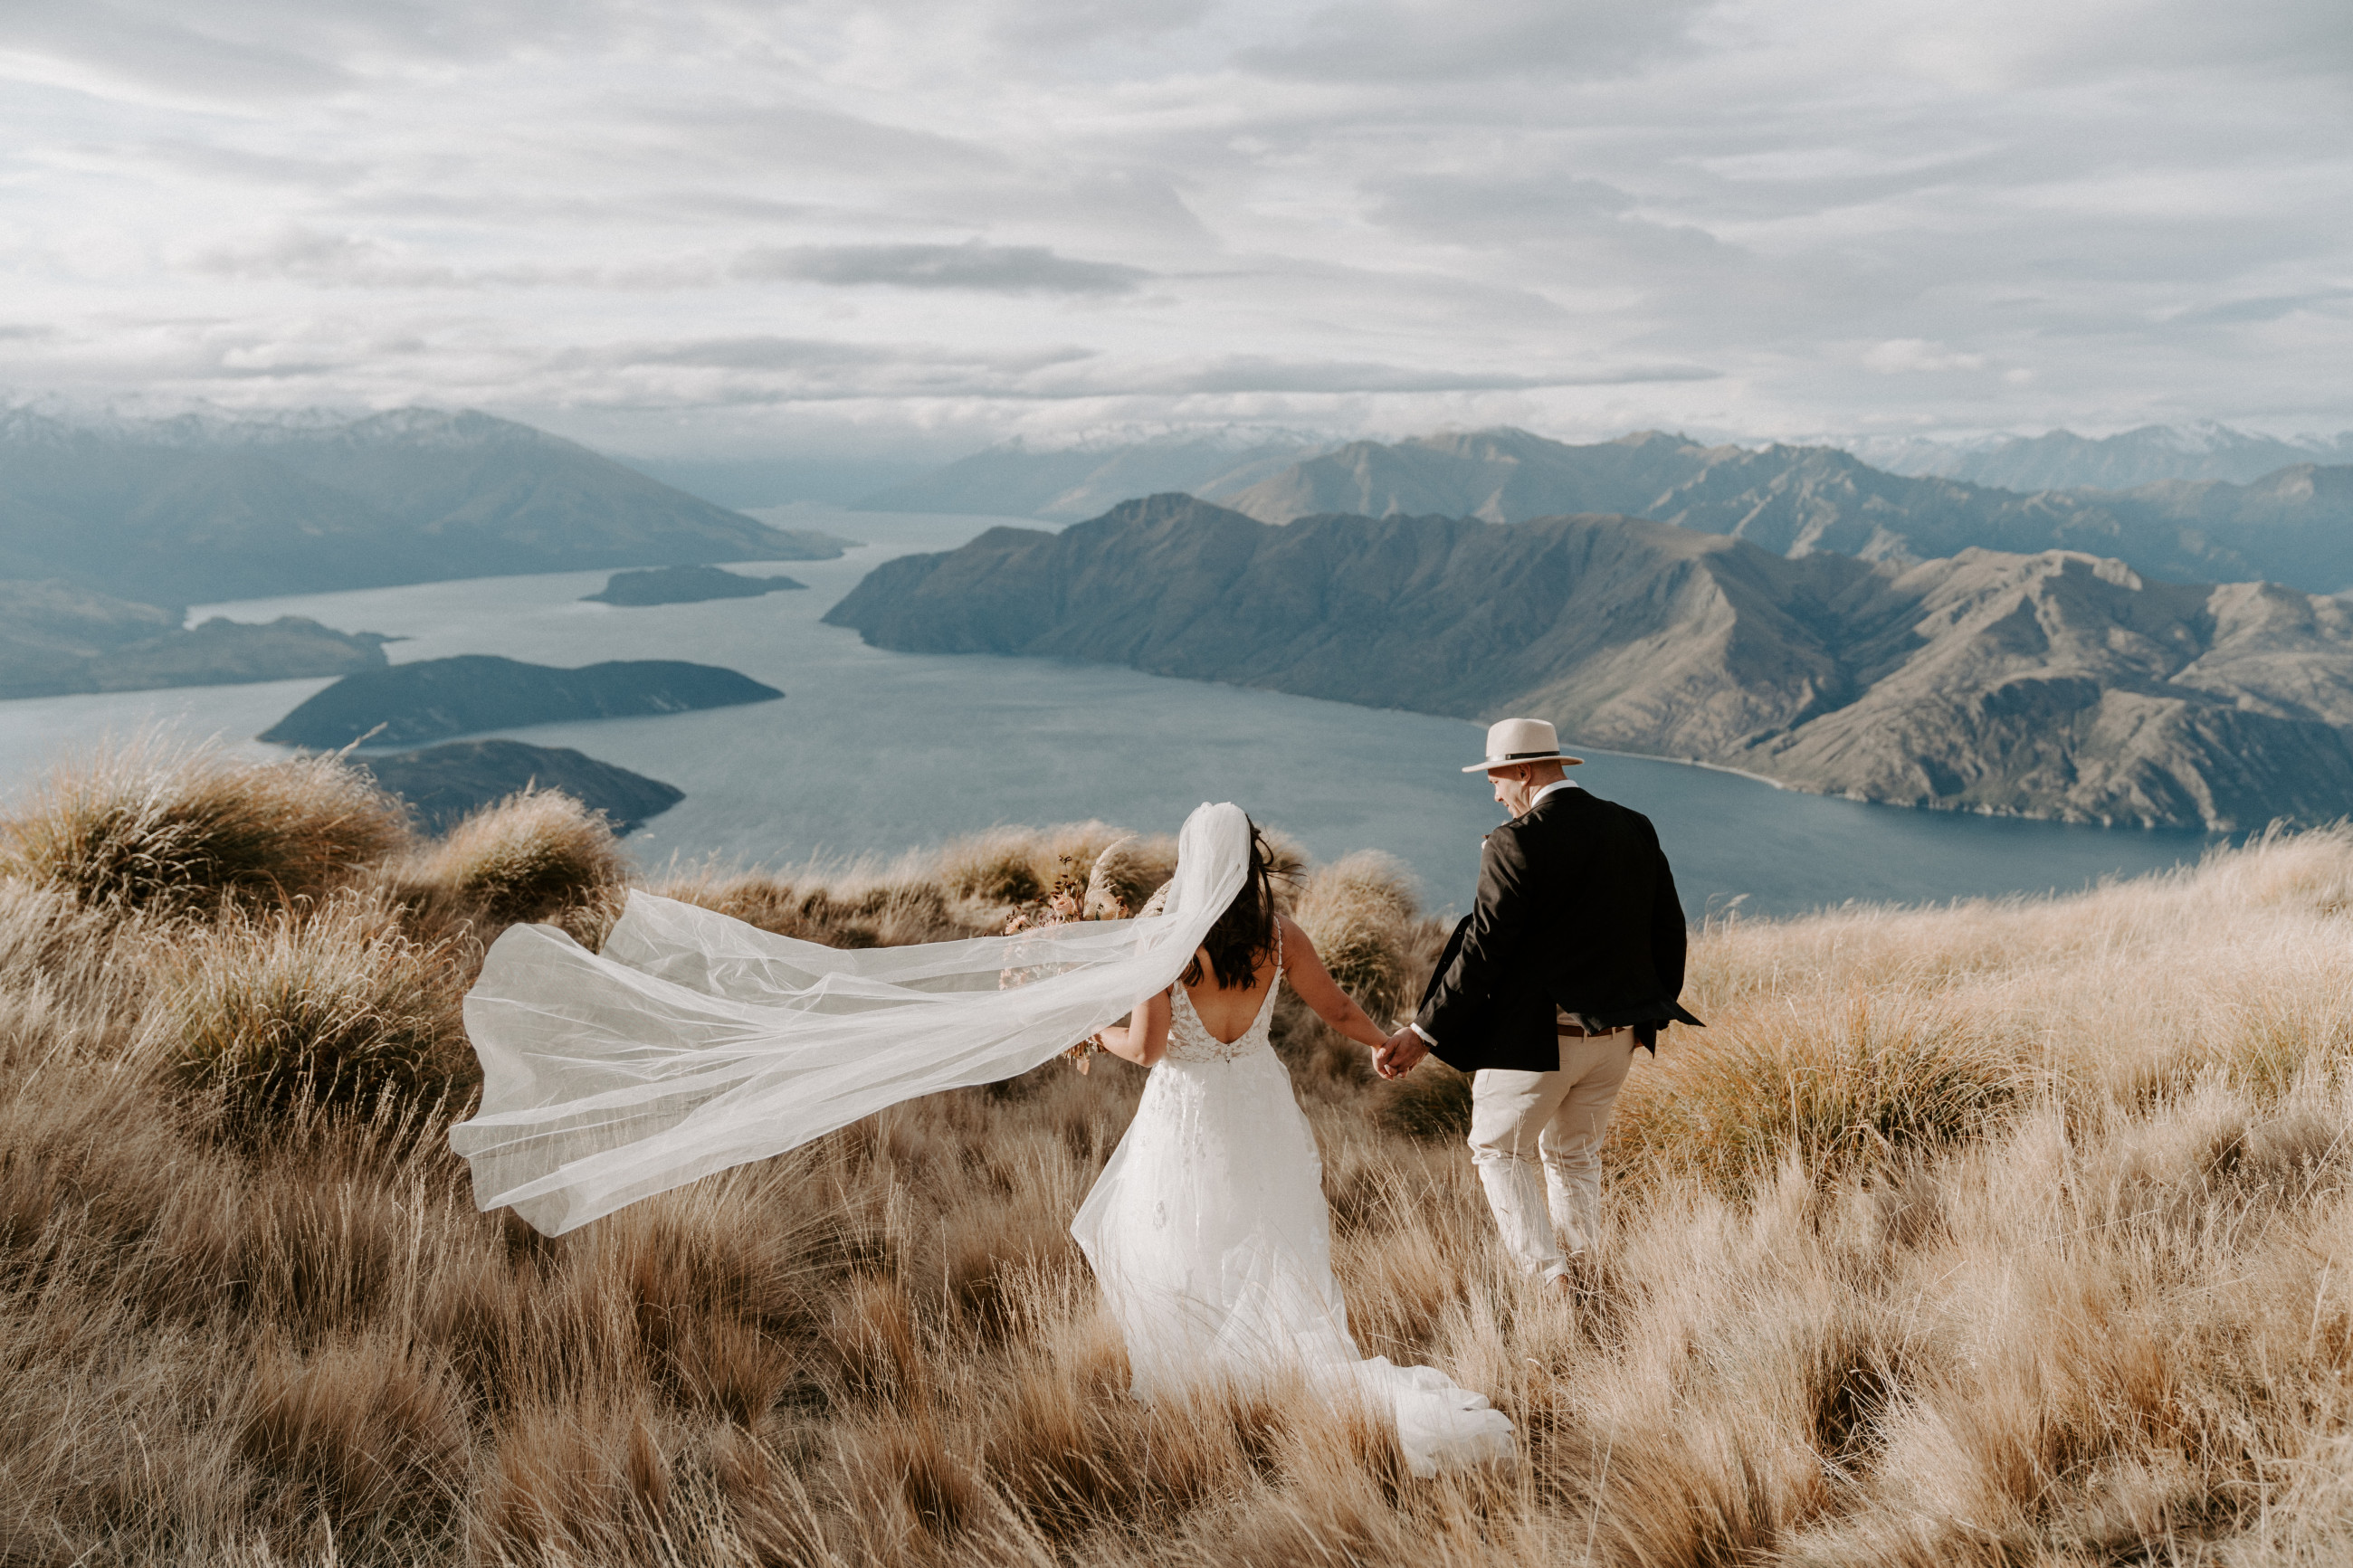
(875, 752)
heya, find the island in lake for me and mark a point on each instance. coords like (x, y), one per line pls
(685, 585)
(443, 784)
(56, 639)
(434, 699)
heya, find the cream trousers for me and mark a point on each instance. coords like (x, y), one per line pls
(1521, 1121)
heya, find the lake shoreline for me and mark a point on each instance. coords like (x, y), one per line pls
(876, 753)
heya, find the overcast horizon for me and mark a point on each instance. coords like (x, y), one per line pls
(733, 231)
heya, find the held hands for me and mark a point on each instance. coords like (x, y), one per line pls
(1396, 1055)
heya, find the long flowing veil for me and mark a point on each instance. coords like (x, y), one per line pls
(695, 1042)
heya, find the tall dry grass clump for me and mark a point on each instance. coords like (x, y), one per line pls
(2013, 1232)
(337, 1006)
(1858, 1080)
(970, 886)
(538, 854)
(847, 906)
(1365, 919)
(155, 829)
(1009, 867)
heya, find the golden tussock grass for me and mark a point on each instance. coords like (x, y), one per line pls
(335, 1004)
(155, 827)
(2015, 1232)
(538, 855)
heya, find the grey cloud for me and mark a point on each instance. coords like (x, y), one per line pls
(828, 356)
(2266, 308)
(355, 261)
(1587, 216)
(1251, 372)
(1414, 40)
(987, 268)
(1513, 204)
(1058, 23)
(2278, 38)
(230, 50)
(810, 138)
(183, 158)
(334, 259)
(162, 50)
(785, 369)
(2123, 211)
(752, 353)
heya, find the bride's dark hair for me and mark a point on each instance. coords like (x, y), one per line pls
(1245, 932)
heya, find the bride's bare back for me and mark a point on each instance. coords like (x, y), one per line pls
(1228, 1014)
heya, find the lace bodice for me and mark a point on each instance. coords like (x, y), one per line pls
(1189, 1039)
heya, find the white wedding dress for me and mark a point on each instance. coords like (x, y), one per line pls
(693, 1043)
(1211, 1240)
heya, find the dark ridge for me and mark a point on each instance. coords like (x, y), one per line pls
(411, 704)
(443, 784)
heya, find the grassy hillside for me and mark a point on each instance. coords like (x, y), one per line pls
(2011, 1232)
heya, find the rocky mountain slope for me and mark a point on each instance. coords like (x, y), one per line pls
(433, 699)
(189, 511)
(2295, 526)
(2052, 683)
(56, 639)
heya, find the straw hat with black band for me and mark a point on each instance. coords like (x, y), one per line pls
(1511, 742)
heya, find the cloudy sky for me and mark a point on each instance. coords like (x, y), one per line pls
(694, 227)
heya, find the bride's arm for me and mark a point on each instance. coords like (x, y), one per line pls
(1304, 968)
(1145, 1038)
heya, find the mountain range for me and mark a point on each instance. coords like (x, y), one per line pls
(2062, 461)
(2051, 683)
(2295, 526)
(2291, 523)
(182, 510)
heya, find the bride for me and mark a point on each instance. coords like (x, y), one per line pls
(693, 1043)
(1208, 1229)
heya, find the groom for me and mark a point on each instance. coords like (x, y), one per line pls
(1571, 957)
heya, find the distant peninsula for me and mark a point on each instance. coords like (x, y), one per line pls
(2052, 684)
(434, 699)
(685, 585)
(57, 640)
(443, 784)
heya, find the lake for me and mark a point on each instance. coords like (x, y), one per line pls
(873, 752)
